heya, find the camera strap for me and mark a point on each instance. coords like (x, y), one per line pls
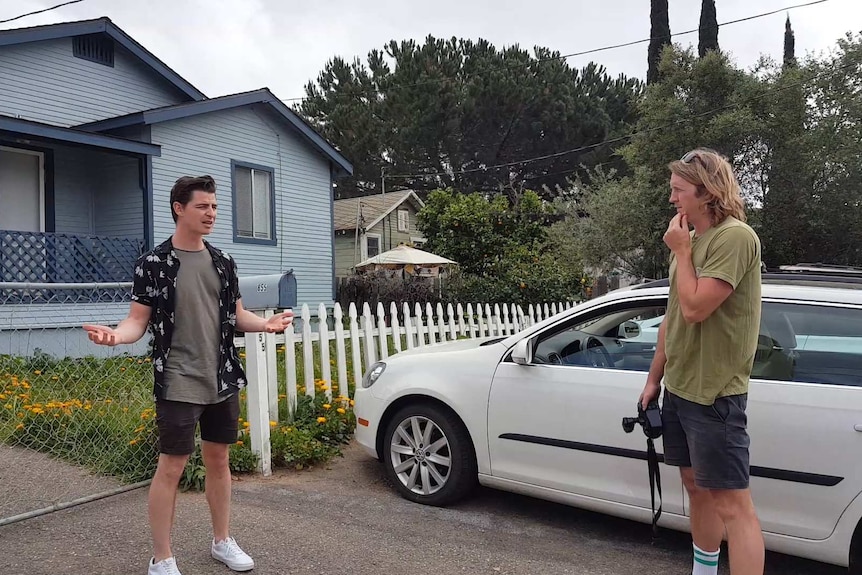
(654, 484)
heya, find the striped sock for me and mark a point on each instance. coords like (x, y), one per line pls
(705, 562)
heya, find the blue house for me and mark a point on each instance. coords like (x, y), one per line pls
(94, 130)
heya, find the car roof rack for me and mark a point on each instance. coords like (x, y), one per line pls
(818, 278)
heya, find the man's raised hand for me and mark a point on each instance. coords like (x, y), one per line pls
(102, 335)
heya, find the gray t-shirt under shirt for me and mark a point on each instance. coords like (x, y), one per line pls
(191, 371)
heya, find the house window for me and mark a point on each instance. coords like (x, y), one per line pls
(371, 246)
(253, 204)
(97, 48)
(403, 221)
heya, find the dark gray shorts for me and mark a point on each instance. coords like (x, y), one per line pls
(711, 439)
(178, 420)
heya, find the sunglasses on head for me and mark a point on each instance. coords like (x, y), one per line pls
(688, 157)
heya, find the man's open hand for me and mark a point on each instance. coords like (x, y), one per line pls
(279, 322)
(102, 335)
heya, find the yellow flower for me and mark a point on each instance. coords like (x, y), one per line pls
(133, 442)
(341, 410)
(326, 406)
(140, 361)
(19, 426)
(246, 425)
(54, 377)
(321, 420)
(273, 423)
(239, 442)
(129, 359)
(352, 403)
(109, 401)
(9, 406)
(324, 387)
(282, 395)
(122, 369)
(38, 372)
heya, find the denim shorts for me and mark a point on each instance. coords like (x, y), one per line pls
(178, 420)
(711, 439)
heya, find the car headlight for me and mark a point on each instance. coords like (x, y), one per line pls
(373, 374)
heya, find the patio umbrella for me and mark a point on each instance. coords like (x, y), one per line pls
(403, 256)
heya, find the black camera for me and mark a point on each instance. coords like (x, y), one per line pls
(649, 419)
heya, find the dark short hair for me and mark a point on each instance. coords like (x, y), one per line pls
(188, 185)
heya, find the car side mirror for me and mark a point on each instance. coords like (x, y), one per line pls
(522, 353)
(629, 329)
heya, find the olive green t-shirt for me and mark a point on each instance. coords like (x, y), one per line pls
(191, 371)
(713, 358)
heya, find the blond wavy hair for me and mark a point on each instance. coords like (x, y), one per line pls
(712, 174)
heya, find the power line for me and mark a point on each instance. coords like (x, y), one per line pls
(40, 11)
(626, 136)
(634, 42)
(604, 48)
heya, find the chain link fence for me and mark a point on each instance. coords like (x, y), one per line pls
(76, 419)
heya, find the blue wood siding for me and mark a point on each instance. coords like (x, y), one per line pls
(97, 193)
(206, 144)
(119, 200)
(73, 190)
(43, 81)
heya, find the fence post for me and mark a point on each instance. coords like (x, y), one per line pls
(396, 329)
(453, 325)
(257, 400)
(323, 339)
(408, 324)
(340, 354)
(271, 369)
(290, 370)
(354, 346)
(420, 335)
(307, 351)
(368, 326)
(383, 340)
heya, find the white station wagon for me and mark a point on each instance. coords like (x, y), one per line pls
(539, 413)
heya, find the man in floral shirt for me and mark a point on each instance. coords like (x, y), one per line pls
(187, 292)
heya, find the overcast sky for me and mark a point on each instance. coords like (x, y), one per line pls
(228, 46)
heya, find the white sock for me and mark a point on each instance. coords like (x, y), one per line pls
(705, 562)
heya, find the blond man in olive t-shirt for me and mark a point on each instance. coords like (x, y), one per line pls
(705, 353)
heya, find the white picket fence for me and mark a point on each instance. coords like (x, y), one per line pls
(369, 336)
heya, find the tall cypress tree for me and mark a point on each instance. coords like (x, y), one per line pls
(789, 45)
(708, 32)
(659, 37)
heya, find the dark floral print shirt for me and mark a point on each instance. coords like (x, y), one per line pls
(154, 285)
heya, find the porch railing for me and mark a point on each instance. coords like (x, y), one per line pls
(35, 257)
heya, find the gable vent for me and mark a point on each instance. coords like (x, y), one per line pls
(97, 48)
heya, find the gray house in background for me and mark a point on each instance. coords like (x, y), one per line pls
(94, 130)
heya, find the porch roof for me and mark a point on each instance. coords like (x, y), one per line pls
(17, 130)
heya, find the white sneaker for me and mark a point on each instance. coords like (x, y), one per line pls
(229, 553)
(164, 567)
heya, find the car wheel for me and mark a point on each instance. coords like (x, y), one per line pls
(428, 455)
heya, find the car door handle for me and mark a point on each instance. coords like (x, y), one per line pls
(858, 427)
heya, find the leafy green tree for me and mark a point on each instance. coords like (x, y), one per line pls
(501, 247)
(444, 112)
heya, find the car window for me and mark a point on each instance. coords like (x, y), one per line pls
(809, 343)
(621, 339)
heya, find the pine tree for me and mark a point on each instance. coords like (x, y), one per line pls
(708, 33)
(659, 37)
